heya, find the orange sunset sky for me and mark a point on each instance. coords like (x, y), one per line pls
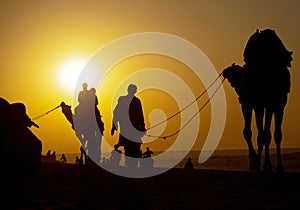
(45, 43)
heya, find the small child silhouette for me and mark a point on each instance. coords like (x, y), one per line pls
(148, 153)
(63, 158)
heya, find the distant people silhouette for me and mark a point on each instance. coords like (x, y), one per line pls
(63, 158)
(50, 157)
(147, 160)
(128, 115)
(147, 153)
(189, 165)
(77, 160)
(48, 153)
(53, 155)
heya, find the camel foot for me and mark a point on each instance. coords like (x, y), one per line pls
(268, 169)
(280, 169)
(254, 167)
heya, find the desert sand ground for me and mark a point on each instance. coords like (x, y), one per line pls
(70, 186)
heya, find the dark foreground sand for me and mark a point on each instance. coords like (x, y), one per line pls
(76, 187)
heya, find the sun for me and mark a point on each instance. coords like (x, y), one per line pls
(68, 73)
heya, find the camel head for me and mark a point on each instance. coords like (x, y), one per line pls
(234, 75)
(66, 110)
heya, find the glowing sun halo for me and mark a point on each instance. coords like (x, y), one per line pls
(69, 72)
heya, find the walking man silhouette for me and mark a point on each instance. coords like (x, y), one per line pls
(128, 115)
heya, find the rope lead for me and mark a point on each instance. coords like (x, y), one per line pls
(201, 108)
(42, 115)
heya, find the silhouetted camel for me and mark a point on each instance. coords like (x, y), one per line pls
(262, 85)
(85, 126)
(66, 110)
(20, 150)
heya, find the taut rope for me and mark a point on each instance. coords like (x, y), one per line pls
(42, 115)
(201, 108)
(157, 124)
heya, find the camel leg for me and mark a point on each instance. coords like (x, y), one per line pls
(278, 138)
(94, 148)
(259, 115)
(247, 133)
(267, 138)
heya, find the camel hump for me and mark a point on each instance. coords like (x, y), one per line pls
(265, 48)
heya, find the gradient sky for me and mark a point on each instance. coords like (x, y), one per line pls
(38, 37)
